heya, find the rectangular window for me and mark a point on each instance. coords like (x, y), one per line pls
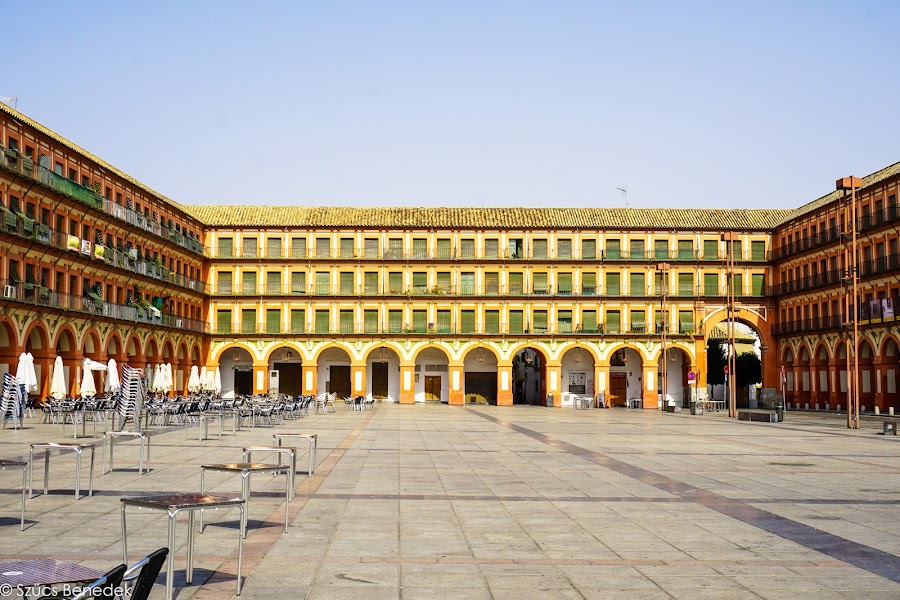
(636, 250)
(248, 320)
(370, 321)
(685, 284)
(539, 318)
(564, 249)
(395, 248)
(371, 246)
(589, 321)
(492, 283)
(757, 283)
(564, 284)
(226, 248)
(539, 249)
(298, 247)
(298, 320)
(444, 323)
(710, 250)
(491, 249)
(370, 283)
(225, 282)
(273, 320)
(248, 283)
(419, 321)
(539, 282)
(613, 321)
(395, 282)
(443, 249)
(638, 321)
(298, 282)
(323, 321)
(273, 247)
(613, 249)
(738, 282)
(516, 321)
(323, 283)
(516, 287)
(323, 247)
(686, 321)
(736, 250)
(612, 284)
(516, 249)
(589, 284)
(348, 283)
(345, 319)
(420, 248)
(492, 321)
(273, 282)
(637, 284)
(685, 250)
(757, 250)
(395, 321)
(250, 248)
(467, 283)
(564, 321)
(443, 282)
(347, 248)
(588, 249)
(661, 249)
(467, 249)
(223, 321)
(711, 284)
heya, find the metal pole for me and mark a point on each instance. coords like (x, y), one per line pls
(855, 253)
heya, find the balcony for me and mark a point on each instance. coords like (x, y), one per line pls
(93, 306)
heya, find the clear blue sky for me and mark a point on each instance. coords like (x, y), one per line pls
(459, 103)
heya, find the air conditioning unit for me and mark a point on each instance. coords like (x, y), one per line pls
(9, 291)
(178, 323)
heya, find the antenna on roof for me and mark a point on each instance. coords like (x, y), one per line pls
(623, 193)
(9, 99)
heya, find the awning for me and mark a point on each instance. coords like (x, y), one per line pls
(156, 312)
(95, 296)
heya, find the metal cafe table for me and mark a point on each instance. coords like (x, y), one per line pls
(173, 504)
(245, 469)
(24, 466)
(312, 438)
(32, 578)
(77, 448)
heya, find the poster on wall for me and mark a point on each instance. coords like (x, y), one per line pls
(875, 309)
(887, 308)
(577, 382)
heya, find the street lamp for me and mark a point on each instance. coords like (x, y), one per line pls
(851, 270)
(663, 269)
(729, 238)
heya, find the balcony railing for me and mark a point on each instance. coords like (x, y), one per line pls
(24, 227)
(867, 268)
(25, 166)
(36, 295)
(887, 215)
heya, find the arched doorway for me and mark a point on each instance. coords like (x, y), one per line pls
(748, 367)
(790, 394)
(626, 367)
(889, 357)
(866, 375)
(288, 364)
(8, 347)
(334, 372)
(67, 349)
(37, 343)
(431, 381)
(530, 377)
(383, 374)
(480, 372)
(803, 391)
(677, 365)
(577, 374)
(236, 370)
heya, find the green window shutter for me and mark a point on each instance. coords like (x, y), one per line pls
(661, 249)
(492, 321)
(564, 283)
(248, 283)
(564, 321)
(298, 247)
(685, 250)
(685, 284)
(443, 321)
(323, 247)
(420, 248)
(443, 282)
(757, 284)
(637, 285)
(395, 321)
(223, 321)
(638, 321)
(248, 320)
(686, 321)
(540, 249)
(613, 321)
(298, 282)
(711, 284)
(467, 283)
(371, 245)
(347, 249)
(370, 321)
(589, 284)
(467, 321)
(420, 282)
(348, 283)
(736, 250)
(515, 284)
(226, 248)
(273, 320)
(757, 250)
(564, 249)
(323, 282)
(516, 321)
(540, 321)
(395, 283)
(443, 249)
(636, 250)
(613, 249)
(225, 282)
(710, 250)
(588, 249)
(738, 284)
(370, 283)
(492, 283)
(612, 284)
(467, 249)
(323, 321)
(420, 321)
(250, 248)
(539, 283)
(273, 247)
(345, 318)
(273, 282)
(589, 320)
(491, 249)
(395, 248)
(298, 320)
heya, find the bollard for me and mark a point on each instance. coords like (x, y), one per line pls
(828, 407)
(817, 406)
(806, 406)
(877, 411)
(862, 409)
(839, 408)
(891, 410)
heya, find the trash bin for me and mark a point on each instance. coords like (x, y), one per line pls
(549, 399)
(696, 409)
(601, 400)
(779, 410)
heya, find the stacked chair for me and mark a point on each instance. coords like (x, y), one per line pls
(11, 401)
(132, 396)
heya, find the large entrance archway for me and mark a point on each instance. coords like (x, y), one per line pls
(431, 380)
(288, 364)
(383, 374)
(626, 367)
(677, 365)
(577, 374)
(334, 372)
(530, 377)
(480, 370)
(236, 370)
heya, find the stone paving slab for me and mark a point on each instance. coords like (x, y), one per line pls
(485, 502)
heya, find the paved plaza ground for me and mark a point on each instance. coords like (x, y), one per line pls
(434, 501)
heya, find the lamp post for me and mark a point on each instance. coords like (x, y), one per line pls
(663, 269)
(851, 270)
(729, 238)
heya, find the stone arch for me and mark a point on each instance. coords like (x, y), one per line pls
(688, 350)
(133, 349)
(886, 343)
(803, 354)
(183, 352)
(151, 350)
(539, 346)
(641, 351)
(65, 343)
(90, 344)
(821, 353)
(480, 373)
(325, 347)
(626, 378)
(397, 348)
(271, 350)
(216, 357)
(168, 351)
(592, 350)
(333, 370)
(9, 344)
(37, 340)
(195, 354)
(437, 388)
(113, 346)
(423, 347)
(577, 364)
(530, 364)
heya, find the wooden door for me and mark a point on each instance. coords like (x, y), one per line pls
(380, 380)
(243, 383)
(618, 386)
(432, 388)
(290, 378)
(339, 381)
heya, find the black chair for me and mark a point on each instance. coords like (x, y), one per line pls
(105, 587)
(139, 579)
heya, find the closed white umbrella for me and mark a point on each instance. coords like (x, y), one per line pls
(32, 383)
(59, 389)
(112, 377)
(88, 387)
(204, 379)
(21, 370)
(194, 379)
(217, 384)
(169, 381)
(158, 377)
